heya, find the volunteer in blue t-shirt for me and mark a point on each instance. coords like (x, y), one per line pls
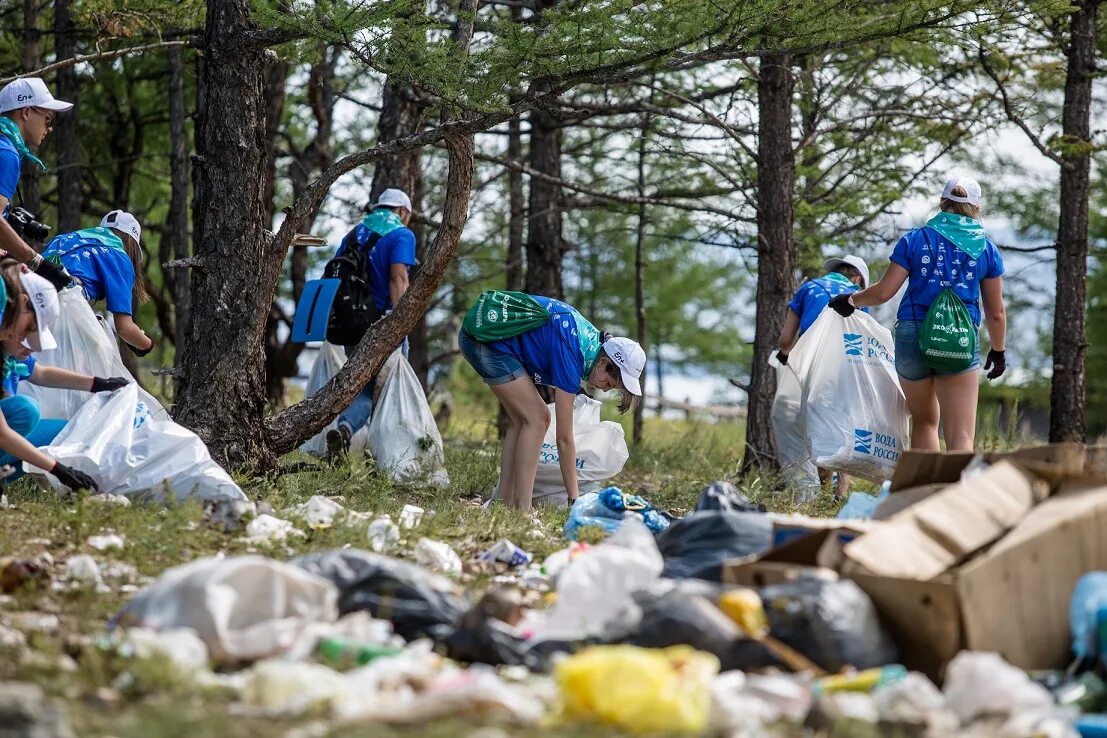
(27, 113)
(28, 309)
(843, 276)
(107, 263)
(391, 246)
(952, 251)
(561, 353)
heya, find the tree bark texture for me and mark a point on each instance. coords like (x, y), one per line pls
(1066, 398)
(640, 276)
(545, 245)
(776, 250)
(221, 393)
(66, 141)
(31, 59)
(289, 428)
(175, 241)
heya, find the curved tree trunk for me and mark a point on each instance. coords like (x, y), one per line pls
(776, 250)
(66, 142)
(1066, 399)
(221, 393)
(291, 426)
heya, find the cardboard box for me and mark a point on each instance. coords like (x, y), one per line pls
(1012, 599)
(936, 534)
(1056, 462)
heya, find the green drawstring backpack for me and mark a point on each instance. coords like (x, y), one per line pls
(948, 336)
(500, 314)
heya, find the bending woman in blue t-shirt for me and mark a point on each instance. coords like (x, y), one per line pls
(951, 250)
(561, 353)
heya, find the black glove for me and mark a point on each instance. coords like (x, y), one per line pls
(138, 351)
(55, 274)
(841, 305)
(73, 478)
(997, 362)
(111, 384)
(782, 357)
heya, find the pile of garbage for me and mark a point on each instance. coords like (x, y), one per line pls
(963, 601)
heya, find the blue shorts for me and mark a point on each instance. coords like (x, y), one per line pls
(909, 357)
(493, 365)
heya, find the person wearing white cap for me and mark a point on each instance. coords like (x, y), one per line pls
(107, 263)
(30, 305)
(27, 113)
(561, 351)
(384, 237)
(949, 265)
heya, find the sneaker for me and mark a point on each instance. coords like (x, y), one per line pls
(338, 443)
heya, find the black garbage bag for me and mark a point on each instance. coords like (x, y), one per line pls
(676, 613)
(830, 621)
(698, 545)
(484, 640)
(722, 495)
(419, 603)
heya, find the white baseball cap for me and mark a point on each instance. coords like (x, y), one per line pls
(631, 360)
(849, 260)
(121, 220)
(44, 299)
(970, 185)
(393, 198)
(29, 92)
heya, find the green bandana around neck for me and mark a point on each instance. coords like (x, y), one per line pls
(964, 232)
(382, 221)
(103, 236)
(11, 130)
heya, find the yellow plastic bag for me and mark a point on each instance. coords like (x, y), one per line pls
(640, 690)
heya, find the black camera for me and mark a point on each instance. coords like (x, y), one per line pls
(23, 222)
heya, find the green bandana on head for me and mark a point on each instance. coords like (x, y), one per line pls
(11, 130)
(966, 233)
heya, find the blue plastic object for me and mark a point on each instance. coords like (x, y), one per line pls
(607, 509)
(863, 506)
(1092, 726)
(314, 310)
(1088, 614)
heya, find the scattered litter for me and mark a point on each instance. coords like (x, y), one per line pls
(698, 545)
(290, 688)
(243, 608)
(383, 534)
(607, 509)
(17, 573)
(411, 516)
(33, 622)
(182, 646)
(863, 506)
(508, 553)
(230, 515)
(980, 683)
(637, 689)
(110, 499)
(103, 543)
(438, 556)
(268, 529)
(725, 496)
(84, 571)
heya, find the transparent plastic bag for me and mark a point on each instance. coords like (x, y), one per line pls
(328, 361)
(403, 435)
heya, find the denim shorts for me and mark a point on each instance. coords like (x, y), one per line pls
(493, 365)
(909, 357)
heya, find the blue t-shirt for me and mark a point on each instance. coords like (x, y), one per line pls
(551, 353)
(11, 164)
(814, 294)
(12, 379)
(106, 272)
(395, 247)
(933, 262)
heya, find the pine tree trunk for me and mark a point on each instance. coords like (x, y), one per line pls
(640, 276)
(66, 142)
(545, 246)
(175, 242)
(1066, 400)
(776, 250)
(31, 59)
(221, 393)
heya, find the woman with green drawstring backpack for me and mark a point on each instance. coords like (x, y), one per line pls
(952, 270)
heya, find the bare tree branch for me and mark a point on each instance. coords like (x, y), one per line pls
(99, 56)
(1016, 118)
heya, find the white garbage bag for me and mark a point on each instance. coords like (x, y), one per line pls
(131, 453)
(85, 346)
(403, 436)
(328, 361)
(601, 454)
(854, 413)
(799, 473)
(243, 608)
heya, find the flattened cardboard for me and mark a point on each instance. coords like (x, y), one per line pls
(1055, 462)
(904, 499)
(934, 535)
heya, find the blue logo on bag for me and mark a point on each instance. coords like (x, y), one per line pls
(853, 343)
(862, 441)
